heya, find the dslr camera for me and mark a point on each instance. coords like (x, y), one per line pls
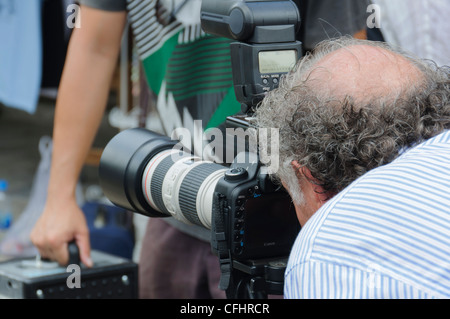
(252, 220)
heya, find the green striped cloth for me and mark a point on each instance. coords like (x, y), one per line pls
(190, 69)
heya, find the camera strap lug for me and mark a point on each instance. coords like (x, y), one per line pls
(219, 240)
(225, 270)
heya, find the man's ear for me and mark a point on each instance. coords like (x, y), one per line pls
(312, 184)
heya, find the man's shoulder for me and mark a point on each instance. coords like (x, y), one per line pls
(379, 219)
(441, 140)
(413, 170)
(417, 177)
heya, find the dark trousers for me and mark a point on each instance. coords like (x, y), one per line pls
(174, 265)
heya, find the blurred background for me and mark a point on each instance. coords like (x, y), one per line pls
(34, 36)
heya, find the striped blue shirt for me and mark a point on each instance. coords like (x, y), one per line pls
(386, 236)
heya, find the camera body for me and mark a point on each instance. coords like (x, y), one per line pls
(259, 220)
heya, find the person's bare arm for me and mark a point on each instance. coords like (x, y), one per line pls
(82, 97)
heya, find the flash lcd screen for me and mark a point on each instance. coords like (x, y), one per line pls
(277, 61)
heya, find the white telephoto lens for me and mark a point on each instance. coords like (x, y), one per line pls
(182, 186)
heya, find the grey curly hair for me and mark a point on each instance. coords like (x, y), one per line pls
(340, 139)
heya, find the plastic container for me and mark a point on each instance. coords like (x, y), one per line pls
(6, 215)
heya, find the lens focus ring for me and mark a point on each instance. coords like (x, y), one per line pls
(189, 189)
(157, 182)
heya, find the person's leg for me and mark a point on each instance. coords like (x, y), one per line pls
(213, 273)
(174, 265)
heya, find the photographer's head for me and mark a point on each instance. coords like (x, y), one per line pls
(347, 108)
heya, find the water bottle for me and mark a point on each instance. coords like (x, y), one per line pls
(6, 215)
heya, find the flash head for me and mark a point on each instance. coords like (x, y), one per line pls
(253, 21)
(266, 47)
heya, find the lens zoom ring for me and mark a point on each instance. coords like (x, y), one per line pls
(189, 188)
(157, 183)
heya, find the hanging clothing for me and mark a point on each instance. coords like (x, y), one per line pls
(20, 53)
(419, 27)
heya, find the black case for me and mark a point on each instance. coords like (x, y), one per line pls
(111, 277)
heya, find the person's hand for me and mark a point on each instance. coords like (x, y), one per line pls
(61, 222)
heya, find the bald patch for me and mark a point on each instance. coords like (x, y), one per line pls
(363, 72)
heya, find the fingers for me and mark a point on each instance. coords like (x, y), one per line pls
(58, 251)
(51, 238)
(85, 250)
(50, 247)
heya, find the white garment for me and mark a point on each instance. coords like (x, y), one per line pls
(418, 26)
(20, 53)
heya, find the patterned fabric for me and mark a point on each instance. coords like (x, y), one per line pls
(188, 70)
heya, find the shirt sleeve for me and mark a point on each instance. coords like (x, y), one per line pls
(107, 5)
(320, 280)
